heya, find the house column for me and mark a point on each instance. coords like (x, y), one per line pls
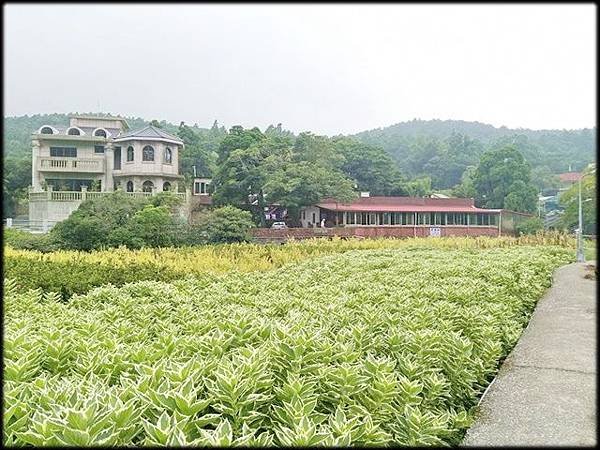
(35, 155)
(415, 224)
(110, 162)
(500, 224)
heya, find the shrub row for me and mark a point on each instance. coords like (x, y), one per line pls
(70, 272)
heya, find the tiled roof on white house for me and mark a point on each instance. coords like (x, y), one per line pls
(149, 132)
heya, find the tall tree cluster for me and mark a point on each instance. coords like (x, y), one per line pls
(500, 168)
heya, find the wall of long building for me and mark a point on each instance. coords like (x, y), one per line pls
(268, 234)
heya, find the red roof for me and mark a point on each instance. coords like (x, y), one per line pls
(405, 204)
(569, 177)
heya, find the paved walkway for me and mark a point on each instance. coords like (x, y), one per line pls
(545, 392)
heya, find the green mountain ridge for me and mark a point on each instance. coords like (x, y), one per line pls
(556, 149)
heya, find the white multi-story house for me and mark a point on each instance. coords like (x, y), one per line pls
(94, 155)
(102, 153)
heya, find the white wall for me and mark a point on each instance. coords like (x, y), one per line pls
(158, 166)
(96, 123)
(148, 170)
(51, 211)
(308, 212)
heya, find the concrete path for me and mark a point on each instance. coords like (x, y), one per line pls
(545, 392)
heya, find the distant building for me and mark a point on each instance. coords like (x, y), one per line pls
(569, 178)
(102, 152)
(95, 155)
(410, 216)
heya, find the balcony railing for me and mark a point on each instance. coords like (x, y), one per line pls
(71, 165)
(77, 196)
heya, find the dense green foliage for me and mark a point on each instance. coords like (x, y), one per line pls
(200, 149)
(227, 224)
(97, 222)
(120, 220)
(532, 225)
(256, 169)
(366, 348)
(117, 219)
(24, 240)
(570, 201)
(252, 168)
(503, 180)
(556, 149)
(16, 179)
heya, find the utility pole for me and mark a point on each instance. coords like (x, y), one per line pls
(580, 254)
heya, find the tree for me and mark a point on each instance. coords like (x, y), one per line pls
(421, 151)
(89, 226)
(278, 169)
(521, 197)
(544, 180)
(237, 139)
(418, 187)
(17, 178)
(570, 201)
(371, 168)
(313, 168)
(466, 188)
(227, 224)
(457, 152)
(199, 151)
(152, 226)
(500, 173)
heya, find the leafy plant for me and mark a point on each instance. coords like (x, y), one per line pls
(356, 347)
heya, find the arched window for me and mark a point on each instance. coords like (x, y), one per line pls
(129, 153)
(74, 132)
(168, 155)
(46, 130)
(148, 153)
(147, 186)
(100, 132)
(166, 186)
(130, 186)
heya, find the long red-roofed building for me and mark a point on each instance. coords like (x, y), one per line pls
(409, 216)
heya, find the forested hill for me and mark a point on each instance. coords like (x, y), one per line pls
(555, 149)
(437, 150)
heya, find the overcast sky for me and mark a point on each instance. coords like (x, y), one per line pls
(325, 68)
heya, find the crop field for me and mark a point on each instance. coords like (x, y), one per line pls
(72, 272)
(338, 346)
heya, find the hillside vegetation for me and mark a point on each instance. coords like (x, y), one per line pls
(410, 142)
(251, 168)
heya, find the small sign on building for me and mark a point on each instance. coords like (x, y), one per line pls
(435, 231)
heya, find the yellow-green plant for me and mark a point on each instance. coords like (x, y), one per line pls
(368, 347)
(69, 272)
